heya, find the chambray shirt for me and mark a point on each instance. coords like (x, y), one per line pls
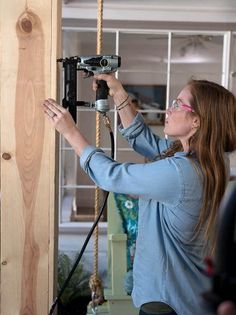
(168, 267)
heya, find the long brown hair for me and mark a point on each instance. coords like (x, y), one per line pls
(216, 135)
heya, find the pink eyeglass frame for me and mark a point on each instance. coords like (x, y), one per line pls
(184, 106)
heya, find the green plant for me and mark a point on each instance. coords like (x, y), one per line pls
(79, 283)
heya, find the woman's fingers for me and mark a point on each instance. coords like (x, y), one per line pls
(95, 86)
(60, 117)
(52, 109)
(113, 84)
(102, 76)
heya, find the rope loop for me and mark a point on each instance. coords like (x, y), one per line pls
(96, 288)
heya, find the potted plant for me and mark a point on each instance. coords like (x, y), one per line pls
(76, 296)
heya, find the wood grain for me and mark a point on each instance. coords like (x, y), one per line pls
(29, 131)
(29, 33)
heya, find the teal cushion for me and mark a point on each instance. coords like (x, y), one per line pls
(128, 209)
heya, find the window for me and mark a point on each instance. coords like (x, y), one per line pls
(155, 66)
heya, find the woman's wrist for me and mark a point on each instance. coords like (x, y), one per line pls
(121, 100)
(70, 133)
(123, 104)
(119, 95)
(76, 140)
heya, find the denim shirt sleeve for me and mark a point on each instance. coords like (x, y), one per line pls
(142, 139)
(159, 180)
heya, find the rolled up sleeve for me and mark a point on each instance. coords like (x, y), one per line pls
(149, 180)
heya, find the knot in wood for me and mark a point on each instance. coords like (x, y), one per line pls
(26, 25)
(6, 156)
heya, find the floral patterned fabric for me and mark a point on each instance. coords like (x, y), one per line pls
(128, 209)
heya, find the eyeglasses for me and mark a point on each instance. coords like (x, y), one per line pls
(176, 104)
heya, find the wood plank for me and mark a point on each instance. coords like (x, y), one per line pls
(29, 33)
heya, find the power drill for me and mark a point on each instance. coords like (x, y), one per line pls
(90, 65)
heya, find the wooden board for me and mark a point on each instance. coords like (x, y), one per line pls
(29, 36)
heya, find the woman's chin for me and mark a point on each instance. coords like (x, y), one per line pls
(165, 130)
(168, 133)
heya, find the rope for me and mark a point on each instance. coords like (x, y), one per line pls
(99, 27)
(95, 282)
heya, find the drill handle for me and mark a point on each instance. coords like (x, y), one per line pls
(102, 90)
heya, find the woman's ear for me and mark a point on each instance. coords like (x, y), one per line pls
(196, 122)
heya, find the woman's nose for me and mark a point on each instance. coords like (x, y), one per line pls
(168, 111)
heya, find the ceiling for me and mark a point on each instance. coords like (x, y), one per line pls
(223, 11)
(201, 3)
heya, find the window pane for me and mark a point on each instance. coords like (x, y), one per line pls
(79, 204)
(195, 56)
(83, 43)
(143, 53)
(69, 160)
(178, 81)
(66, 202)
(84, 205)
(86, 121)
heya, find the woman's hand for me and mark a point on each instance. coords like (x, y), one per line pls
(60, 117)
(63, 122)
(126, 110)
(116, 89)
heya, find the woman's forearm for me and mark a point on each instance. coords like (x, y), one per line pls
(77, 141)
(125, 108)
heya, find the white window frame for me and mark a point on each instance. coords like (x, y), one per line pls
(83, 227)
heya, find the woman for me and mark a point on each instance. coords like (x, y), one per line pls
(179, 191)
